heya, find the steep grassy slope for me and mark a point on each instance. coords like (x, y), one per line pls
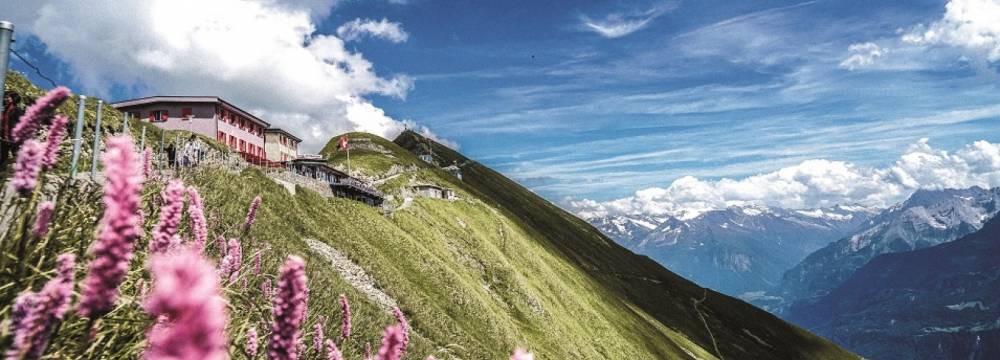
(497, 269)
(739, 330)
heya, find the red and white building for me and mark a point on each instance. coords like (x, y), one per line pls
(210, 116)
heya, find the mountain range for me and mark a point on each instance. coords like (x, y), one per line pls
(941, 302)
(741, 250)
(888, 284)
(927, 218)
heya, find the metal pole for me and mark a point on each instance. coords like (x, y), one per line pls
(162, 136)
(6, 36)
(142, 143)
(125, 124)
(97, 142)
(78, 137)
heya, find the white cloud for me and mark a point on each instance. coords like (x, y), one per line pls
(263, 55)
(971, 25)
(815, 183)
(862, 55)
(384, 28)
(616, 25)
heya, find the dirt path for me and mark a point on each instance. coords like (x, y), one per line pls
(353, 274)
(697, 302)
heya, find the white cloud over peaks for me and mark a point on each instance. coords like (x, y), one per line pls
(862, 55)
(263, 55)
(384, 28)
(972, 25)
(616, 25)
(814, 183)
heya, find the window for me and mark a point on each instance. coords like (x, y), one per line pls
(221, 137)
(158, 116)
(186, 112)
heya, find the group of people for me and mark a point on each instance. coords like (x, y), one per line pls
(190, 154)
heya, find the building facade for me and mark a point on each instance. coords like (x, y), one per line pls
(210, 116)
(280, 145)
(340, 183)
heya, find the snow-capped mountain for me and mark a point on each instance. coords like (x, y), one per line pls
(739, 250)
(927, 218)
(942, 302)
(626, 229)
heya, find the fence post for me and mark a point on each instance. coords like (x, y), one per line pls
(125, 124)
(78, 137)
(163, 135)
(142, 143)
(6, 36)
(97, 142)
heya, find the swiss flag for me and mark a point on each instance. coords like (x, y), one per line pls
(342, 144)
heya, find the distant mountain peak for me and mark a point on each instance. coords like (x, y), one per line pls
(929, 217)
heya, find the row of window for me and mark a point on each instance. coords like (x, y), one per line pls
(160, 115)
(240, 122)
(225, 115)
(286, 141)
(240, 145)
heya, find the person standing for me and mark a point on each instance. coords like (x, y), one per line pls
(189, 152)
(171, 155)
(11, 114)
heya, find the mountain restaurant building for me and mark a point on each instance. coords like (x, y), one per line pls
(210, 116)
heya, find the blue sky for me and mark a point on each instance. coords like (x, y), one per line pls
(597, 100)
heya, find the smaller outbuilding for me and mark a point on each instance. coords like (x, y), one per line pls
(340, 183)
(454, 170)
(433, 191)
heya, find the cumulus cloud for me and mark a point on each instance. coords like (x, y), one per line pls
(971, 25)
(862, 55)
(616, 25)
(264, 55)
(814, 183)
(385, 29)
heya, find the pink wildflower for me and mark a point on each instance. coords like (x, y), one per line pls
(288, 310)
(252, 342)
(113, 249)
(256, 263)
(36, 314)
(252, 213)
(345, 313)
(147, 163)
(405, 327)
(186, 293)
(521, 354)
(265, 288)
(233, 260)
(318, 335)
(392, 343)
(220, 244)
(56, 134)
(300, 348)
(332, 352)
(196, 211)
(170, 217)
(42, 219)
(39, 112)
(29, 163)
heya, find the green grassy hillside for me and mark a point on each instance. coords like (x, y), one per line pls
(499, 268)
